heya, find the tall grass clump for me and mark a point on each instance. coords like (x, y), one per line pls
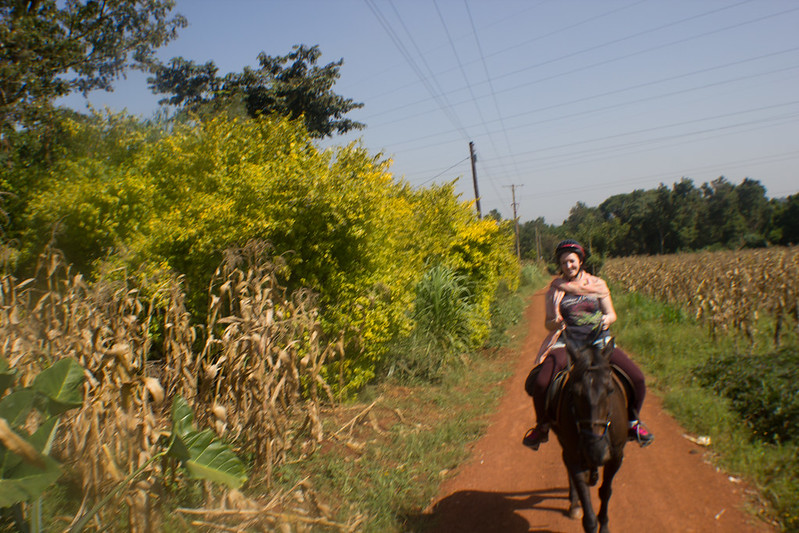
(534, 275)
(442, 316)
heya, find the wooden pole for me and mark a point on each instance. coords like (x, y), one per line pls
(474, 179)
(516, 221)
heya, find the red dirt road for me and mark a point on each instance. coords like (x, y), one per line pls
(665, 487)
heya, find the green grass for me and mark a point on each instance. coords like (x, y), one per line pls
(674, 351)
(397, 474)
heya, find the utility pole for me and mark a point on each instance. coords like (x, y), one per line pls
(516, 221)
(537, 243)
(473, 157)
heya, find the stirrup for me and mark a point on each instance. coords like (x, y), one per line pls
(641, 434)
(536, 436)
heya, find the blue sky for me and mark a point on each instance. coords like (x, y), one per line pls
(567, 101)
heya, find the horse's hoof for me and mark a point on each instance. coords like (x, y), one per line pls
(576, 513)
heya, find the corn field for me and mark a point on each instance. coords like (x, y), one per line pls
(251, 372)
(728, 290)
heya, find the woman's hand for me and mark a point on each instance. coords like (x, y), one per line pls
(605, 322)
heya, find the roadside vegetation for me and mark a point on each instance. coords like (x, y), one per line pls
(217, 254)
(311, 458)
(732, 375)
(388, 449)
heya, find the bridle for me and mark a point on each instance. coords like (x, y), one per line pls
(585, 426)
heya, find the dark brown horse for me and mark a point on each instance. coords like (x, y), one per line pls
(592, 430)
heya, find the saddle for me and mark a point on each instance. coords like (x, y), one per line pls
(554, 392)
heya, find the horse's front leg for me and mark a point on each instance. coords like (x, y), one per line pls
(605, 491)
(579, 481)
(575, 510)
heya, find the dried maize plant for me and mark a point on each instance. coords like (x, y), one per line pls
(728, 290)
(58, 315)
(261, 366)
(179, 367)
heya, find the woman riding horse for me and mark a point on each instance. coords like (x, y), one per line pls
(579, 304)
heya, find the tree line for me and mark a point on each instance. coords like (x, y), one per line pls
(665, 220)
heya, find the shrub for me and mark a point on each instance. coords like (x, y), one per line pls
(174, 200)
(763, 389)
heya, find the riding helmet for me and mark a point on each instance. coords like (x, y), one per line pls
(569, 246)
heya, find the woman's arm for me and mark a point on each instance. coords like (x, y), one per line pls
(553, 320)
(608, 312)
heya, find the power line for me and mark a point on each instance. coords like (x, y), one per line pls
(442, 172)
(627, 56)
(570, 158)
(672, 125)
(466, 79)
(560, 30)
(609, 107)
(445, 108)
(649, 32)
(491, 87)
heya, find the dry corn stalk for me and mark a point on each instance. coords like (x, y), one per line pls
(258, 376)
(263, 357)
(728, 290)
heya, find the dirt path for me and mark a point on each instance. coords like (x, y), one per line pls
(507, 488)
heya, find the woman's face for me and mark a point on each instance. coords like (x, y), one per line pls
(570, 265)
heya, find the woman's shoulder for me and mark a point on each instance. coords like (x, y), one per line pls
(592, 278)
(596, 285)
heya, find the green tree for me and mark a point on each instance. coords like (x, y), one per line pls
(537, 239)
(689, 207)
(50, 49)
(724, 222)
(292, 86)
(494, 214)
(619, 210)
(662, 219)
(756, 211)
(786, 220)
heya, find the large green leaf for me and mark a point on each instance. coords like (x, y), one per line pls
(41, 440)
(7, 375)
(16, 406)
(62, 384)
(201, 452)
(212, 459)
(28, 482)
(182, 417)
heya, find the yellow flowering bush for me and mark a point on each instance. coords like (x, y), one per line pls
(482, 251)
(345, 227)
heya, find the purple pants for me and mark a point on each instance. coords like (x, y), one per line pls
(558, 359)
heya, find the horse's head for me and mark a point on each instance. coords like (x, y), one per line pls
(591, 387)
